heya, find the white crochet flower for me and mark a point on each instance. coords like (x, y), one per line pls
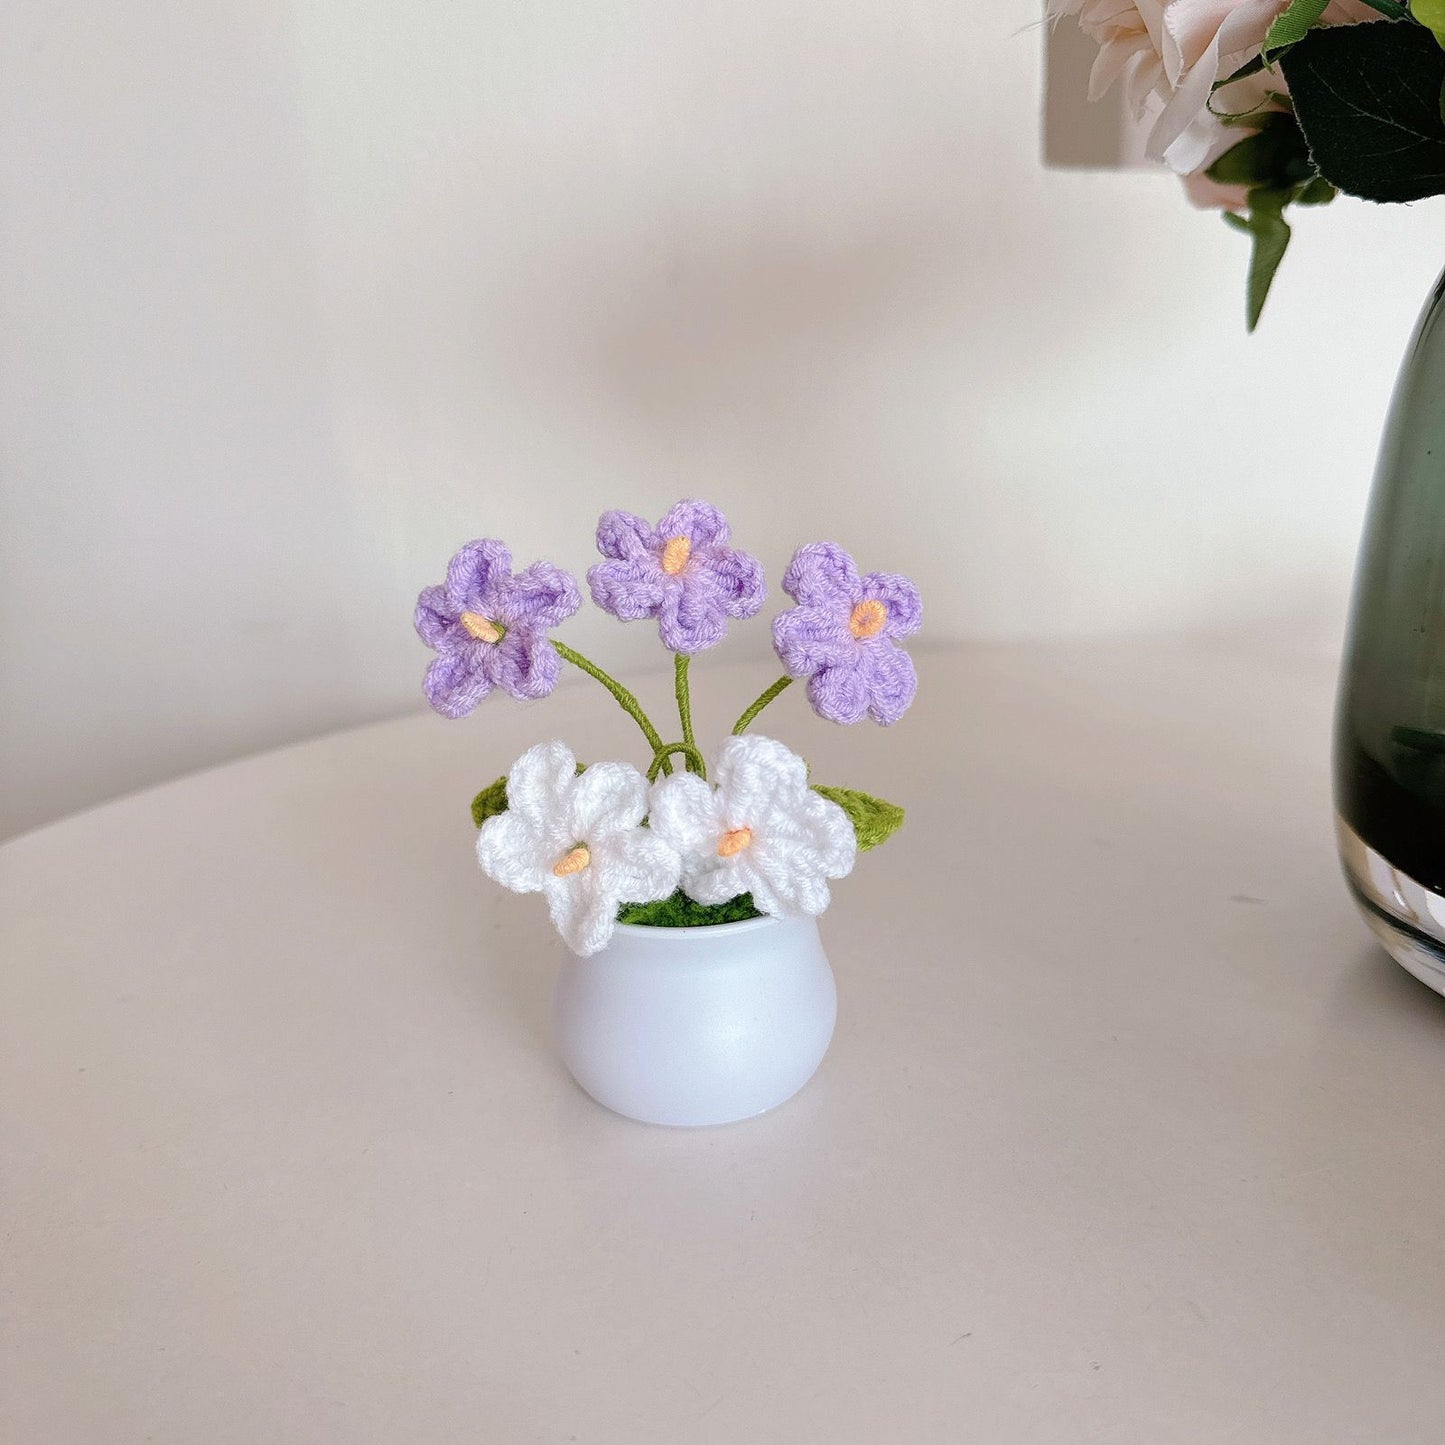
(761, 830)
(578, 839)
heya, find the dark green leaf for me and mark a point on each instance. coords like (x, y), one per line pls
(1293, 23)
(1368, 101)
(874, 821)
(1267, 225)
(493, 799)
(680, 911)
(1275, 156)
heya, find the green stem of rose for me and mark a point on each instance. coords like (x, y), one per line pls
(681, 662)
(626, 700)
(758, 704)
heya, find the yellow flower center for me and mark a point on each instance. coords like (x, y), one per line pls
(574, 862)
(482, 628)
(733, 842)
(867, 619)
(675, 555)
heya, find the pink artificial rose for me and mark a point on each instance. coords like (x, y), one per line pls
(1203, 41)
(1212, 137)
(1169, 53)
(1211, 195)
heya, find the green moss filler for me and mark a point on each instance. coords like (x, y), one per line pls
(680, 911)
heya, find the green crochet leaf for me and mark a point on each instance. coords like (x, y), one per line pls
(680, 911)
(490, 801)
(493, 799)
(874, 821)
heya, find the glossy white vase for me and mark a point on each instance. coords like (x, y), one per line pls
(697, 1025)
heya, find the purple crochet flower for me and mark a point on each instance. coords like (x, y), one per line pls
(843, 635)
(682, 572)
(489, 628)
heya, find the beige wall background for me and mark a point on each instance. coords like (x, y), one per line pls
(299, 294)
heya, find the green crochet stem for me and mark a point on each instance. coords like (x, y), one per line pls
(681, 661)
(759, 703)
(695, 763)
(626, 700)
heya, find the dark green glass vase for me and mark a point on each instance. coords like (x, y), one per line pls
(1390, 728)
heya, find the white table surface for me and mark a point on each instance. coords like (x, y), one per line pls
(1128, 1132)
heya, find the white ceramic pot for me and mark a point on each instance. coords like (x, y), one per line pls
(697, 1025)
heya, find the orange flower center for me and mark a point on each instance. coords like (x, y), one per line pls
(482, 628)
(867, 619)
(733, 842)
(574, 862)
(675, 555)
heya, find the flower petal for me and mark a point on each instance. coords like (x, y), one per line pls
(720, 884)
(511, 853)
(900, 597)
(840, 693)
(692, 617)
(684, 811)
(436, 619)
(809, 638)
(637, 867)
(893, 682)
(738, 578)
(816, 835)
(700, 522)
(790, 861)
(833, 836)
(629, 590)
(607, 799)
(582, 911)
(757, 776)
(476, 574)
(457, 680)
(822, 574)
(539, 788)
(782, 889)
(539, 596)
(623, 536)
(524, 663)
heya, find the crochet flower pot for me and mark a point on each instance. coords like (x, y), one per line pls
(697, 1025)
(687, 892)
